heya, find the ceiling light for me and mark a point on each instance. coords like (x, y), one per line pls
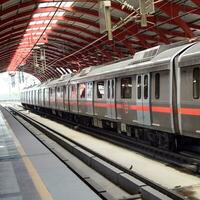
(44, 14)
(32, 23)
(56, 4)
(54, 21)
(67, 4)
(37, 15)
(60, 14)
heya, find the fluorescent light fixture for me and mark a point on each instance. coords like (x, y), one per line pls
(38, 33)
(63, 70)
(59, 70)
(26, 34)
(37, 15)
(51, 14)
(50, 4)
(39, 22)
(46, 21)
(54, 21)
(36, 47)
(67, 4)
(23, 43)
(60, 14)
(56, 4)
(45, 14)
(32, 23)
(69, 70)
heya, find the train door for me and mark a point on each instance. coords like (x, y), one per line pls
(89, 98)
(73, 89)
(111, 111)
(39, 97)
(66, 97)
(44, 103)
(143, 99)
(56, 90)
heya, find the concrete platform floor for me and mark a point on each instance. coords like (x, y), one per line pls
(29, 171)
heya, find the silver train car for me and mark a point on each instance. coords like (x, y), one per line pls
(153, 97)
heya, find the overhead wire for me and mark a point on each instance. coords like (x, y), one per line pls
(57, 8)
(92, 45)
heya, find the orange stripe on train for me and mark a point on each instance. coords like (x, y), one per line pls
(189, 111)
(159, 109)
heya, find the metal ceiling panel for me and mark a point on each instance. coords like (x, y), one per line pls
(72, 30)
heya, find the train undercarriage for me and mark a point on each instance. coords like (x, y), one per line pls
(155, 138)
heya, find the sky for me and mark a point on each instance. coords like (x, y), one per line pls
(9, 92)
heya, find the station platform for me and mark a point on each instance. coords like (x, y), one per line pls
(29, 171)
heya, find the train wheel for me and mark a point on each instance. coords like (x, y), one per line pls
(174, 144)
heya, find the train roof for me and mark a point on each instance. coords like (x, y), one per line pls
(31, 87)
(64, 79)
(157, 58)
(102, 69)
(166, 56)
(191, 56)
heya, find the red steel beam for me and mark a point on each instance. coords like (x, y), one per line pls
(197, 2)
(172, 10)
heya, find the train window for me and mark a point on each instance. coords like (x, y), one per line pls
(108, 89)
(35, 96)
(126, 88)
(196, 83)
(139, 88)
(89, 90)
(82, 88)
(73, 91)
(146, 79)
(157, 85)
(39, 94)
(55, 90)
(61, 92)
(44, 96)
(100, 89)
(113, 89)
(66, 91)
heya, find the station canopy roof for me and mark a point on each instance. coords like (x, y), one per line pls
(48, 38)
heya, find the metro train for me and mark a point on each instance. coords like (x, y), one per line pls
(153, 97)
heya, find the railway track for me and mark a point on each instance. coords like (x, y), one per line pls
(138, 186)
(186, 161)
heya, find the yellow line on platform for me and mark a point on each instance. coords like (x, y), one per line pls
(37, 181)
(40, 186)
